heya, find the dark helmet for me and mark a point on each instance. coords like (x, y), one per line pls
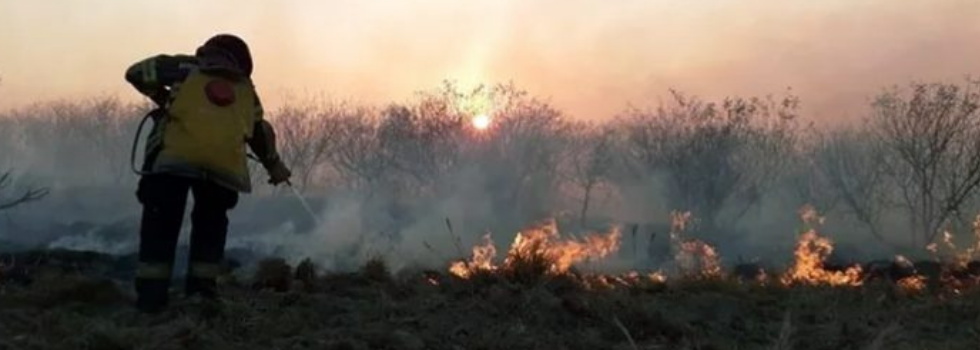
(232, 47)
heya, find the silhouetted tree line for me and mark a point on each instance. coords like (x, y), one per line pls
(915, 156)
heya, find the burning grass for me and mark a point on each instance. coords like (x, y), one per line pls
(811, 253)
(532, 297)
(537, 251)
(542, 252)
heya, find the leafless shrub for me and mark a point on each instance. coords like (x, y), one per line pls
(356, 157)
(522, 155)
(28, 195)
(424, 150)
(422, 142)
(376, 269)
(81, 142)
(307, 136)
(710, 153)
(591, 158)
(849, 167)
(930, 134)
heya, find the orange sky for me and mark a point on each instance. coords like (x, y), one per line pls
(590, 57)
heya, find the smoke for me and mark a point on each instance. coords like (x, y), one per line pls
(587, 59)
(411, 183)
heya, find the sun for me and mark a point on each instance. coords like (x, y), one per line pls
(481, 121)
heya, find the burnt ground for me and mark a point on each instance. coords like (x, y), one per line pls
(68, 300)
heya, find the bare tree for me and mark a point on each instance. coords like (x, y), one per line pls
(850, 166)
(931, 134)
(423, 142)
(357, 155)
(91, 137)
(307, 135)
(525, 150)
(106, 125)
(29, 195)
(591, 158)
(711, 153)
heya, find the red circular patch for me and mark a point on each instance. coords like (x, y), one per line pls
(220, 92)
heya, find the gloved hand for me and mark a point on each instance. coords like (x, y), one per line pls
(278, 173)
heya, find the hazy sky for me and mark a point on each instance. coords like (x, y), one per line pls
(590, 57)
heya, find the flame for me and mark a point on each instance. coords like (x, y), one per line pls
(811, 252)
(976, 236)
(912, 284)
(544, 241)
(657, 277)
(810, 216)
(697, 258)
(960, 257)
(679, 221)
(973, 252)
(693, 257)
(956, 273)
(482, 259)
(543, 249)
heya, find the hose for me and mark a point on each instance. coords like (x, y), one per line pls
(136, 141)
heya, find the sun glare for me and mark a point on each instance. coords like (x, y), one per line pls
(481, 121)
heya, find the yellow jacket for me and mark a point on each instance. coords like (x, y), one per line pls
(206, 119)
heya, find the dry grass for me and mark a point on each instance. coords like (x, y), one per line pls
(273, 273)
(306, 275)
(374, 309)
(376, 269)
(784, 342)
(527, 266)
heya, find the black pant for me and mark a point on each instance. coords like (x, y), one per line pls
(164, 198)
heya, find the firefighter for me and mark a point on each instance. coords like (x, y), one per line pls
(207, 112)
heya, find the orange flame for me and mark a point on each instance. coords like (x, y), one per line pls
(679, 221)
(541, 240)
(697, 258)
(693, 257)
(811, 252)
(545, 240)
(482, 259)
(912, 284)
(657, 277)
(961, 257)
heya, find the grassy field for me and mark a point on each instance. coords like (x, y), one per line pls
(66, 300)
